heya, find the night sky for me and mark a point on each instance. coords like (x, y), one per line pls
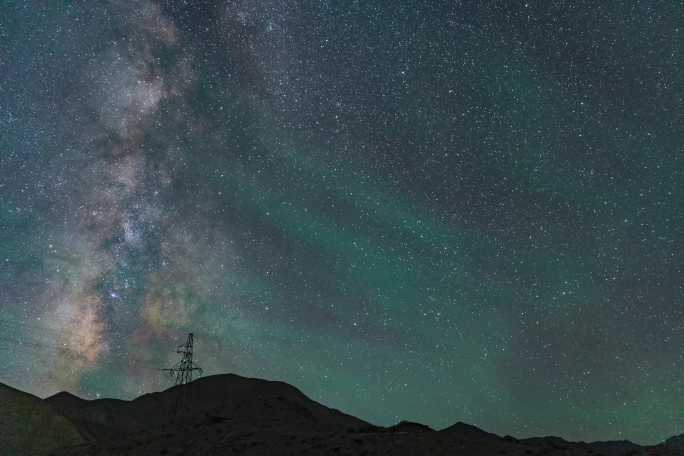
(424, 210)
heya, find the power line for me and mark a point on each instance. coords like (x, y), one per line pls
(15, 321)
(183, 370)
(32, 343)
(27, 349)
(61, 349)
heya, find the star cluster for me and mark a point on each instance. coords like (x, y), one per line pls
(435, 211)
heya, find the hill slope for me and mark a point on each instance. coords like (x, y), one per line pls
(29, 426)
(229, 414)
(218, 397)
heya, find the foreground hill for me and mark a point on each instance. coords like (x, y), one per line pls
(29, 426)
(231, 415)
(218, 398)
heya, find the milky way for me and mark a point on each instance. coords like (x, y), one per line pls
(435, 211)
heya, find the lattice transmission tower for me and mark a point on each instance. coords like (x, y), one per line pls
(184, 369)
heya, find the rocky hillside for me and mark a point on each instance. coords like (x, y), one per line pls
(29, 426)
(229, 414)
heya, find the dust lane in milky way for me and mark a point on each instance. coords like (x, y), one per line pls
(434, 211)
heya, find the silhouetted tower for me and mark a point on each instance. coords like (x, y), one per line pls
(184, 369)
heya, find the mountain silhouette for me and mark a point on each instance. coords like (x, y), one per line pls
(29, 426)
(230, 415)
(676, 441)
(218, 398)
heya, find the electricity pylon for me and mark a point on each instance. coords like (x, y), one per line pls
(184, 369)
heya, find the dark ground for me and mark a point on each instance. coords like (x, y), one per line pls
(233, 415)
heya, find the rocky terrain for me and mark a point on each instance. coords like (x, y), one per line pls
(30, 426)
(233, 415)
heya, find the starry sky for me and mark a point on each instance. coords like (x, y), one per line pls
(424, 210)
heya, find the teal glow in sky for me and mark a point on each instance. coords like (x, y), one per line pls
(433, 211)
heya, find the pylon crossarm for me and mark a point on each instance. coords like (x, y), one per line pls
(184, 369)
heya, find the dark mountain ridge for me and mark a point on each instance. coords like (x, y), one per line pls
(214, 397)
(230, 414)
(29, 426)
